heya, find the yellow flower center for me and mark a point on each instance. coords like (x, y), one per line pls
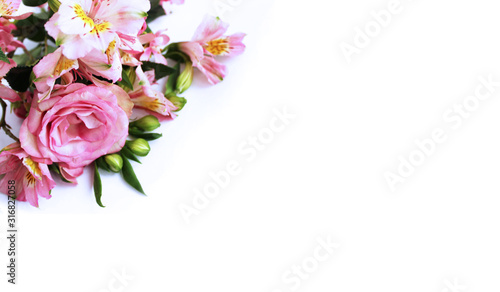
(218, 47)
(80, 13)
(153, 105)
(98, 28)
(63, 64)
(111, 50)
(34, 171)
(6, 8)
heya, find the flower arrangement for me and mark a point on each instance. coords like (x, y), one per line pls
(95, 65)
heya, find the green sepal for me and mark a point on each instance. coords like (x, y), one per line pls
(128, 154)
(102, 164)
(55, 168)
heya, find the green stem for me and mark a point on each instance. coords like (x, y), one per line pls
(3, 124)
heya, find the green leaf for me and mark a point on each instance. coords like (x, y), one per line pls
(31, 28)
(130, 177)
(128, 154)
(126, 82)
(21, 59)
(44, 14)
(34, 3)
(19, 78)
(97, 186)
(155, 12)
(154, 3)
(160, 69)
(3, 57)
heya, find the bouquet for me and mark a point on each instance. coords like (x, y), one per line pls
(88, 90)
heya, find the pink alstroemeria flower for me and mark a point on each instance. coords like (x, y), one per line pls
(144, 96)
(31, 179)
(213, 70)
(8, 44)
(82, 25)
(56, 65)
(8, 8)
(154, 44)
(6, 25)
(209, 41)
(210, 35)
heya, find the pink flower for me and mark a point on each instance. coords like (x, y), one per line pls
(9, 94)
(209, 41)
(82, 25)
(9, 7)
(210, 35)
(6, 25)
(155, 43)
(8, 44)
(5, 67)
(144, 96)
(22, 104)
(56, 65)
(75, 126)
(49, 69)
(213, 70)
(30, 179)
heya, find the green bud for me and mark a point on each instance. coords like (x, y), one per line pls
(114, 161)
(186, 78)
(146, 124)
(139, 147)
(178, 101)
(54, 5)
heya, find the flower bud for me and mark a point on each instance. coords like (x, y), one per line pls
(139, 147)
(179, 102)
(114, 161)
(186, 78)
(146, 124)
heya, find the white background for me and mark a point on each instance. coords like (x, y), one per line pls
(323, 175)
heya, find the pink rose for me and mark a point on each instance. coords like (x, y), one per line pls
(29, 178)
(75, 126)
